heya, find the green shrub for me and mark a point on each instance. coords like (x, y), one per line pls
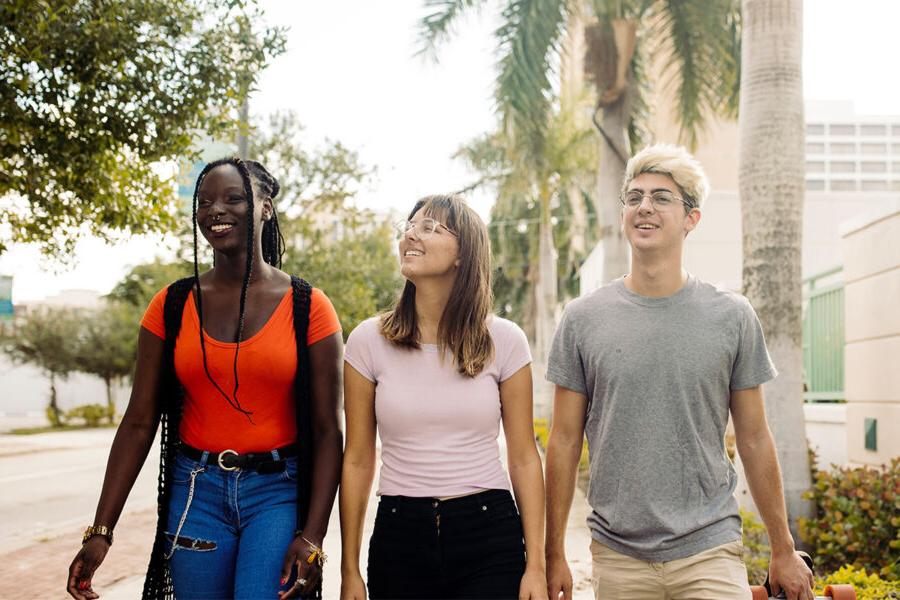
(868, 587)
(857, 520)
(756, 548)
(91, 414)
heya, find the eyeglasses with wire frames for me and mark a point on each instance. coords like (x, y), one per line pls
(424, 228)
(660, 199)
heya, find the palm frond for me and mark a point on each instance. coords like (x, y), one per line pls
(702, 37)
(529, 42)
(437, 26)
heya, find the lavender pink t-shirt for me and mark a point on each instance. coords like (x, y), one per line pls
(438, 428)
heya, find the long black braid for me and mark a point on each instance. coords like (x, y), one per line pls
(272, 242)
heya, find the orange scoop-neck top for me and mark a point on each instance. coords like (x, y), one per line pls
(267, 364)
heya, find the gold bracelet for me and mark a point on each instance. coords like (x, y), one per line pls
(317, 555)
(93, 530)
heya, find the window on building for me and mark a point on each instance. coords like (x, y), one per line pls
(875, 186)
(815, 148)
(815, 129)
(869, 148)
(815, 185)
(895, 186)
(842, 129)
(895, 167)
(843, 185)
(869, 166)
(873, 129)
(842, 147)
(815, 166)
(842, 166)
(895, 129)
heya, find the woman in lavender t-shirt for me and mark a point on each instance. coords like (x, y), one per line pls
(434, 378)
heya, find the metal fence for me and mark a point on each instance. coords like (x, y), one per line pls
(823, 337)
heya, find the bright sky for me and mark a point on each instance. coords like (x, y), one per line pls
(350, 74)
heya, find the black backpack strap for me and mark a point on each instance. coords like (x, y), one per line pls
(158, 582)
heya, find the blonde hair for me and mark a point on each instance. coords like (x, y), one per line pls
(677, 163)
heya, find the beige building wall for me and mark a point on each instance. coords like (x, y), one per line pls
(871, 255)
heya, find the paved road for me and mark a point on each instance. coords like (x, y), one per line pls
(49, 485)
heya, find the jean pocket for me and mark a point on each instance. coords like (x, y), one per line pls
(182, 469)
(502, 513)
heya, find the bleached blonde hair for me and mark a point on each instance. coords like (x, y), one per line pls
(677, 163)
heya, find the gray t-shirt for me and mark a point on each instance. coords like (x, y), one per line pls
(658, 374)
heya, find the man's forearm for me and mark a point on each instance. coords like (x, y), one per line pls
(760, 462)
(562, 470)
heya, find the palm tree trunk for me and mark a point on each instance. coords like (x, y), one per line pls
(614, 151)
(770, 171)
(546, 287)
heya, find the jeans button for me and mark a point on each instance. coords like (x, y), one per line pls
(483, 507)
(434, 504)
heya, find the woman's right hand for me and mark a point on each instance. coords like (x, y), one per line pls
(353, 587)
(83, 566)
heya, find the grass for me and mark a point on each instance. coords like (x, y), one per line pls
(52, 429)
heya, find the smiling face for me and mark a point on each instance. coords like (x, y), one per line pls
(428, 256)
(222, 210)
(649, 227)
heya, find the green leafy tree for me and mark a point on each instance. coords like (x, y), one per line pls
(48, 339)
(107, 346)
(139, 286)
(94, 94)
(344, 250)
(697, 41)
(535, 220)
(359, 271)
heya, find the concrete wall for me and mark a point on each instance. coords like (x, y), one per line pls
(826, 431)
(871, 256)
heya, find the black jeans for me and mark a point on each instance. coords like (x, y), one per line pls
(469, 547)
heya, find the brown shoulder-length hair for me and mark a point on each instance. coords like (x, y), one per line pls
(463, 330)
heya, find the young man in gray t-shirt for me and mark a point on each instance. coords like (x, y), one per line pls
(649, 367)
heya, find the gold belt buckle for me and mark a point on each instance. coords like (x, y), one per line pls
(219, 460)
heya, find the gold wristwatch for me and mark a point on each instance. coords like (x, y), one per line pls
(93, 530)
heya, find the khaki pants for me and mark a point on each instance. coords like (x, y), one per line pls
(715, 574)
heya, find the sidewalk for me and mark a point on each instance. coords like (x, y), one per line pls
(578, 541)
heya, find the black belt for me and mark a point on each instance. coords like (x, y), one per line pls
(229, 460)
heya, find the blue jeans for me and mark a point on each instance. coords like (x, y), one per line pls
(233, 529)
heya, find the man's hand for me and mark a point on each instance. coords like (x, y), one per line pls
(559, 578)
(788, 572)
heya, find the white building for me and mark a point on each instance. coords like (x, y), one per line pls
(850, 152)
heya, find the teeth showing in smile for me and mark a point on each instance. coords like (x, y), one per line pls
(412, 253)
(647, 226)
(220, 227)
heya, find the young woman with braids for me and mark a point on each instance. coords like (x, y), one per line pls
(251, 442)
(435, 377)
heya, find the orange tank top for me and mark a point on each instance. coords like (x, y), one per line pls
(267, 364)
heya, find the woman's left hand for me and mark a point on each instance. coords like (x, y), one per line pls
(534, 585)
(308, 574)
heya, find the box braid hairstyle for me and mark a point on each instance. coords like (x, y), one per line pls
(272, 252)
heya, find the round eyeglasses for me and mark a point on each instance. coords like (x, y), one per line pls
(424, 229)
(660, 199)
